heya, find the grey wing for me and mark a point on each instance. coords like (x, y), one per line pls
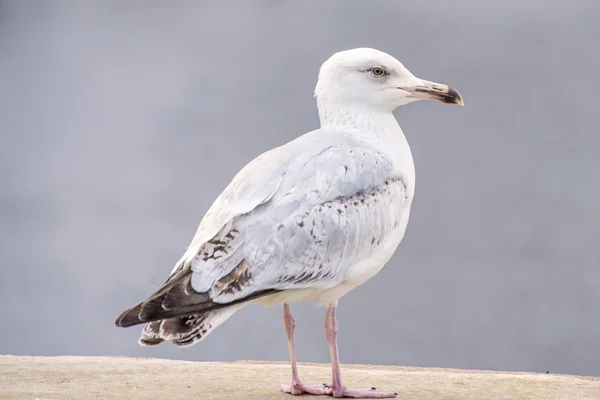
(327, 214)
(297, 216)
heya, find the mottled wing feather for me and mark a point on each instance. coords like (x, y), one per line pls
(328, 212)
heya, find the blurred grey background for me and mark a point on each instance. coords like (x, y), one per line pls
(111, 113)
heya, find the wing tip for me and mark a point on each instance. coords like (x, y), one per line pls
(130, 317)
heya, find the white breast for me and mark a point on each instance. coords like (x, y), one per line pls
(367, 268)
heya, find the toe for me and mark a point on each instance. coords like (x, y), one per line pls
(298, 388)
(364, 394)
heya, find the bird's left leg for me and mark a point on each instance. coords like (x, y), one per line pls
(297, 387)
(337, 385)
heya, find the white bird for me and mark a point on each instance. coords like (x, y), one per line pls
(310, 220)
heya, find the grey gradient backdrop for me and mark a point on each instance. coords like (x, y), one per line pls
(120, 123)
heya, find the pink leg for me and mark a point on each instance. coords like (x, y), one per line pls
(297, 387)
(337, 386)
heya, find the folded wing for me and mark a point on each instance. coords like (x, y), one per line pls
(298, 216)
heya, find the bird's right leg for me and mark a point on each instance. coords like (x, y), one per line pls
(337, 385)
(297, 387)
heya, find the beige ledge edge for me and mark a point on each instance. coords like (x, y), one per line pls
(106, 378)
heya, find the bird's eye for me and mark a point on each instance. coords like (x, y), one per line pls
(377, 71)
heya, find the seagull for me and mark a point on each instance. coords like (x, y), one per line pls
(309, 220)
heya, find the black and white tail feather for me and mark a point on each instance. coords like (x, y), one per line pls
(185, 331)
(178, 313)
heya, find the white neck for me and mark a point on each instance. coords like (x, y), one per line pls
(378, 127)
(357, 118)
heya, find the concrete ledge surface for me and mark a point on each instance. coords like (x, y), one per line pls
(82, 378)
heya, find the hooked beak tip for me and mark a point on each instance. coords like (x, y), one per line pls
(453, 97)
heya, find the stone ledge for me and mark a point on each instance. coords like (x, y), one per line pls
(82, 378)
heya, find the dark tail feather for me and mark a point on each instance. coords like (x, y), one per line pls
(174, 298)
(152, 310)
(177, 298)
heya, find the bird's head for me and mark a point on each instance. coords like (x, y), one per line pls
(369, 78)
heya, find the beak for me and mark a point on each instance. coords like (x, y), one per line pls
(434, 91)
